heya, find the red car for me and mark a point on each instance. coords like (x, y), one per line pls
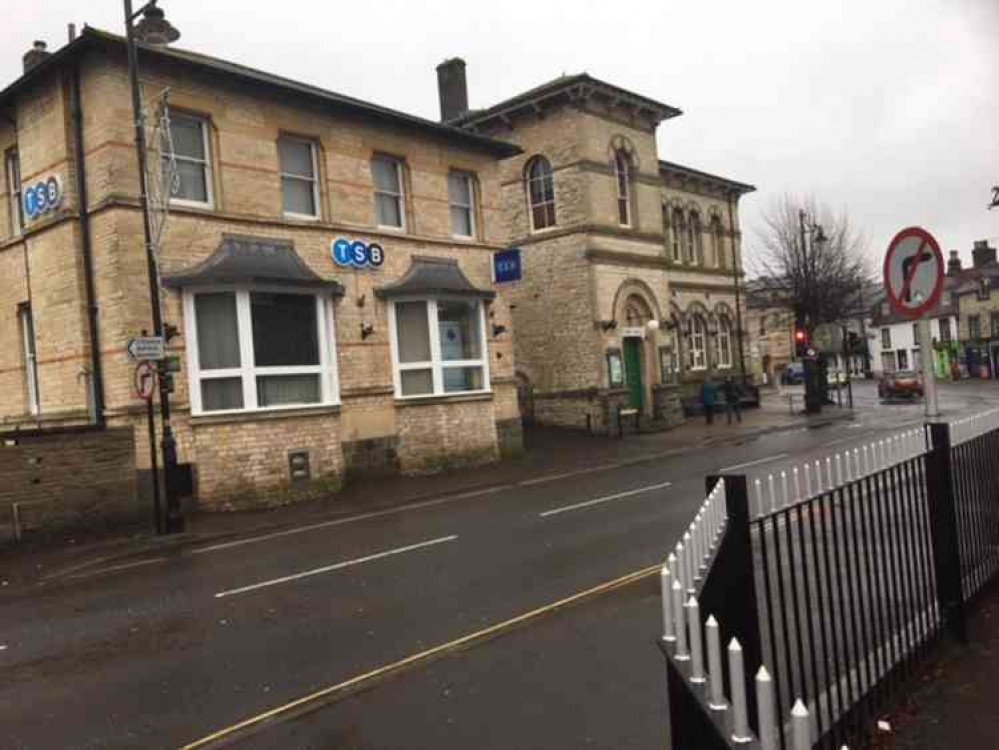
(903, 384)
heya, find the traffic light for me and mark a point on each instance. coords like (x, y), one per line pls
(800, 343)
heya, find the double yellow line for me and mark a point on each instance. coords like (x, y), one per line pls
(467, 640)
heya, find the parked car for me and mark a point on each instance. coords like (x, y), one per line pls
(794, 374)
(901, 384)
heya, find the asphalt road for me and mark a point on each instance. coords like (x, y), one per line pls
(174, 647)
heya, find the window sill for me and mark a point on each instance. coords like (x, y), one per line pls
(254, 416)
(450, 398)
(196, 205)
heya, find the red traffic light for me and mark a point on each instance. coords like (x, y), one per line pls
(800, 335)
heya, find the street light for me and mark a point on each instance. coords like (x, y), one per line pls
(153, 29)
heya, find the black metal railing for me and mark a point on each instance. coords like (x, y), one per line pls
(841, 586)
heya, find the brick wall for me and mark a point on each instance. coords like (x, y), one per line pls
(62, 480)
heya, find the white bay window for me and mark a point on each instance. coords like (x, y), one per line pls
(257, 349)
(438, 347)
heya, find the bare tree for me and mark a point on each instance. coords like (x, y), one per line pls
(812, 258)
(814, 262)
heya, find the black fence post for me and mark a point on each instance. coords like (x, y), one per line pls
(943, 529)
(729, 593)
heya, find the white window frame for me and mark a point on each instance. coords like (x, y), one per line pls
(469, 179)
(537, 158)
(698, 353)
(400, 196)
(622, 169)
(716, 242)
(900, 354)
(886, 338)
(436, 364)
(203, 121)
(29, 342)
(327, 369)
(724, 333)
(301, 178)
(677, 226)
(943, 327)
(12, 167)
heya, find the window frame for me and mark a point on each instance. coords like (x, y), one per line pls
(677, 232)
(716, 242)
(724, 334)
(400, 197)
(694, 349)
(886, 338)
(209, 202)
(436, 364)
(943, 327)
(622, 180)
(327, 370)
(15, 193)
(314, 156)
(974, 327)
(29, 350)
(531, 206)
(470, 180)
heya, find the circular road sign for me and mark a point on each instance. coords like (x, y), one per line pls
(144, 380)
(913, 272)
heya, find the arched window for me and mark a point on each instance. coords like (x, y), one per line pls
(695, 248)
(636, 312)
(724, 342)
(677, 235)
(716, 242)
(696, 337)
(541, 193)
(622, 171)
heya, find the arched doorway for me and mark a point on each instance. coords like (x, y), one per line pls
(637, 315)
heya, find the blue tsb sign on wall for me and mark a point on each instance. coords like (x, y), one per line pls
(43, 196)
(357, 253)
(506, 265)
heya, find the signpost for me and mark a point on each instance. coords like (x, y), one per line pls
(146, 349)
(914, 277)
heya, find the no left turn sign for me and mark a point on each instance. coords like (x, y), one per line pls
(913, 272)
(144, 380)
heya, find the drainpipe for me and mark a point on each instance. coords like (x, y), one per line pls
(96, 373)
(738, 308)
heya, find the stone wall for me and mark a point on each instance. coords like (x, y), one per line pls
(61, 480)
(435, 434)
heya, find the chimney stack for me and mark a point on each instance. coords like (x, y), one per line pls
(35, 55)
(953, 264)
(452, 89)
(982, 254)
(71, 29)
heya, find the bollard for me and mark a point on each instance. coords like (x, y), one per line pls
(801, 727)
(737, 678)
(696, 645)
(716, 679)
(679, 625)
(767, 711)
(666, 591)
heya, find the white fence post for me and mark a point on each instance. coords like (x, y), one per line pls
(678, 622)
(737, 678)
(696, 646)
(767, 710)
(716, 679)
(801, 727)
(666, 591)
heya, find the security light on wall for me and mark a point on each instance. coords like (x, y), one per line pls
(653, 325)
(366, 330)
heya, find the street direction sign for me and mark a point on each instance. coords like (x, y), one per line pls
(144, 380)
(146, 348)
(913, 272)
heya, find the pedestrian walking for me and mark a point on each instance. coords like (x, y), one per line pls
(733, 399)
(709, 394)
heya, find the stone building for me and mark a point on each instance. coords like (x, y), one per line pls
(326, 263)
(770, 329)
(630, 264)
(977, 297)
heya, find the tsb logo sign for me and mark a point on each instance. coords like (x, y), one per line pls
(43, 196)
(357, 253)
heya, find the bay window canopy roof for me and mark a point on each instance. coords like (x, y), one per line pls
(243, 259)
(433, 277)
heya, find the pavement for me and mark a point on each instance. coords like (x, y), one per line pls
(954, 702)
(517, 614)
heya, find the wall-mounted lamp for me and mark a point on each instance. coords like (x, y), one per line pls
(652, 325)
(366, 329)
(607, 325)
(498, 329)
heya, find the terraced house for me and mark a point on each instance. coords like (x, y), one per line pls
(630, 291)
(326, 264)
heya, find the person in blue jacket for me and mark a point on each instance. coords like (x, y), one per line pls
(709, 394)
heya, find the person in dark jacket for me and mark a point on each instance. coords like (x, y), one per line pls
(709, 394)
(733, 399)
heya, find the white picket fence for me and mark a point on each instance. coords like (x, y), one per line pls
(963, 430)
(680, 578)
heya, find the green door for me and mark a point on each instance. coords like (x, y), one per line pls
(633, 371)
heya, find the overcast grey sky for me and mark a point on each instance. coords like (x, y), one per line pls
(886, 108)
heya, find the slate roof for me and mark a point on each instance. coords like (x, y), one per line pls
(434, 277)
(243, 259)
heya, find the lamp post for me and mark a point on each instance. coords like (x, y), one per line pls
(153, 29)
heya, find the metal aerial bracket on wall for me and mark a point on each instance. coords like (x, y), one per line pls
(995, 198)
